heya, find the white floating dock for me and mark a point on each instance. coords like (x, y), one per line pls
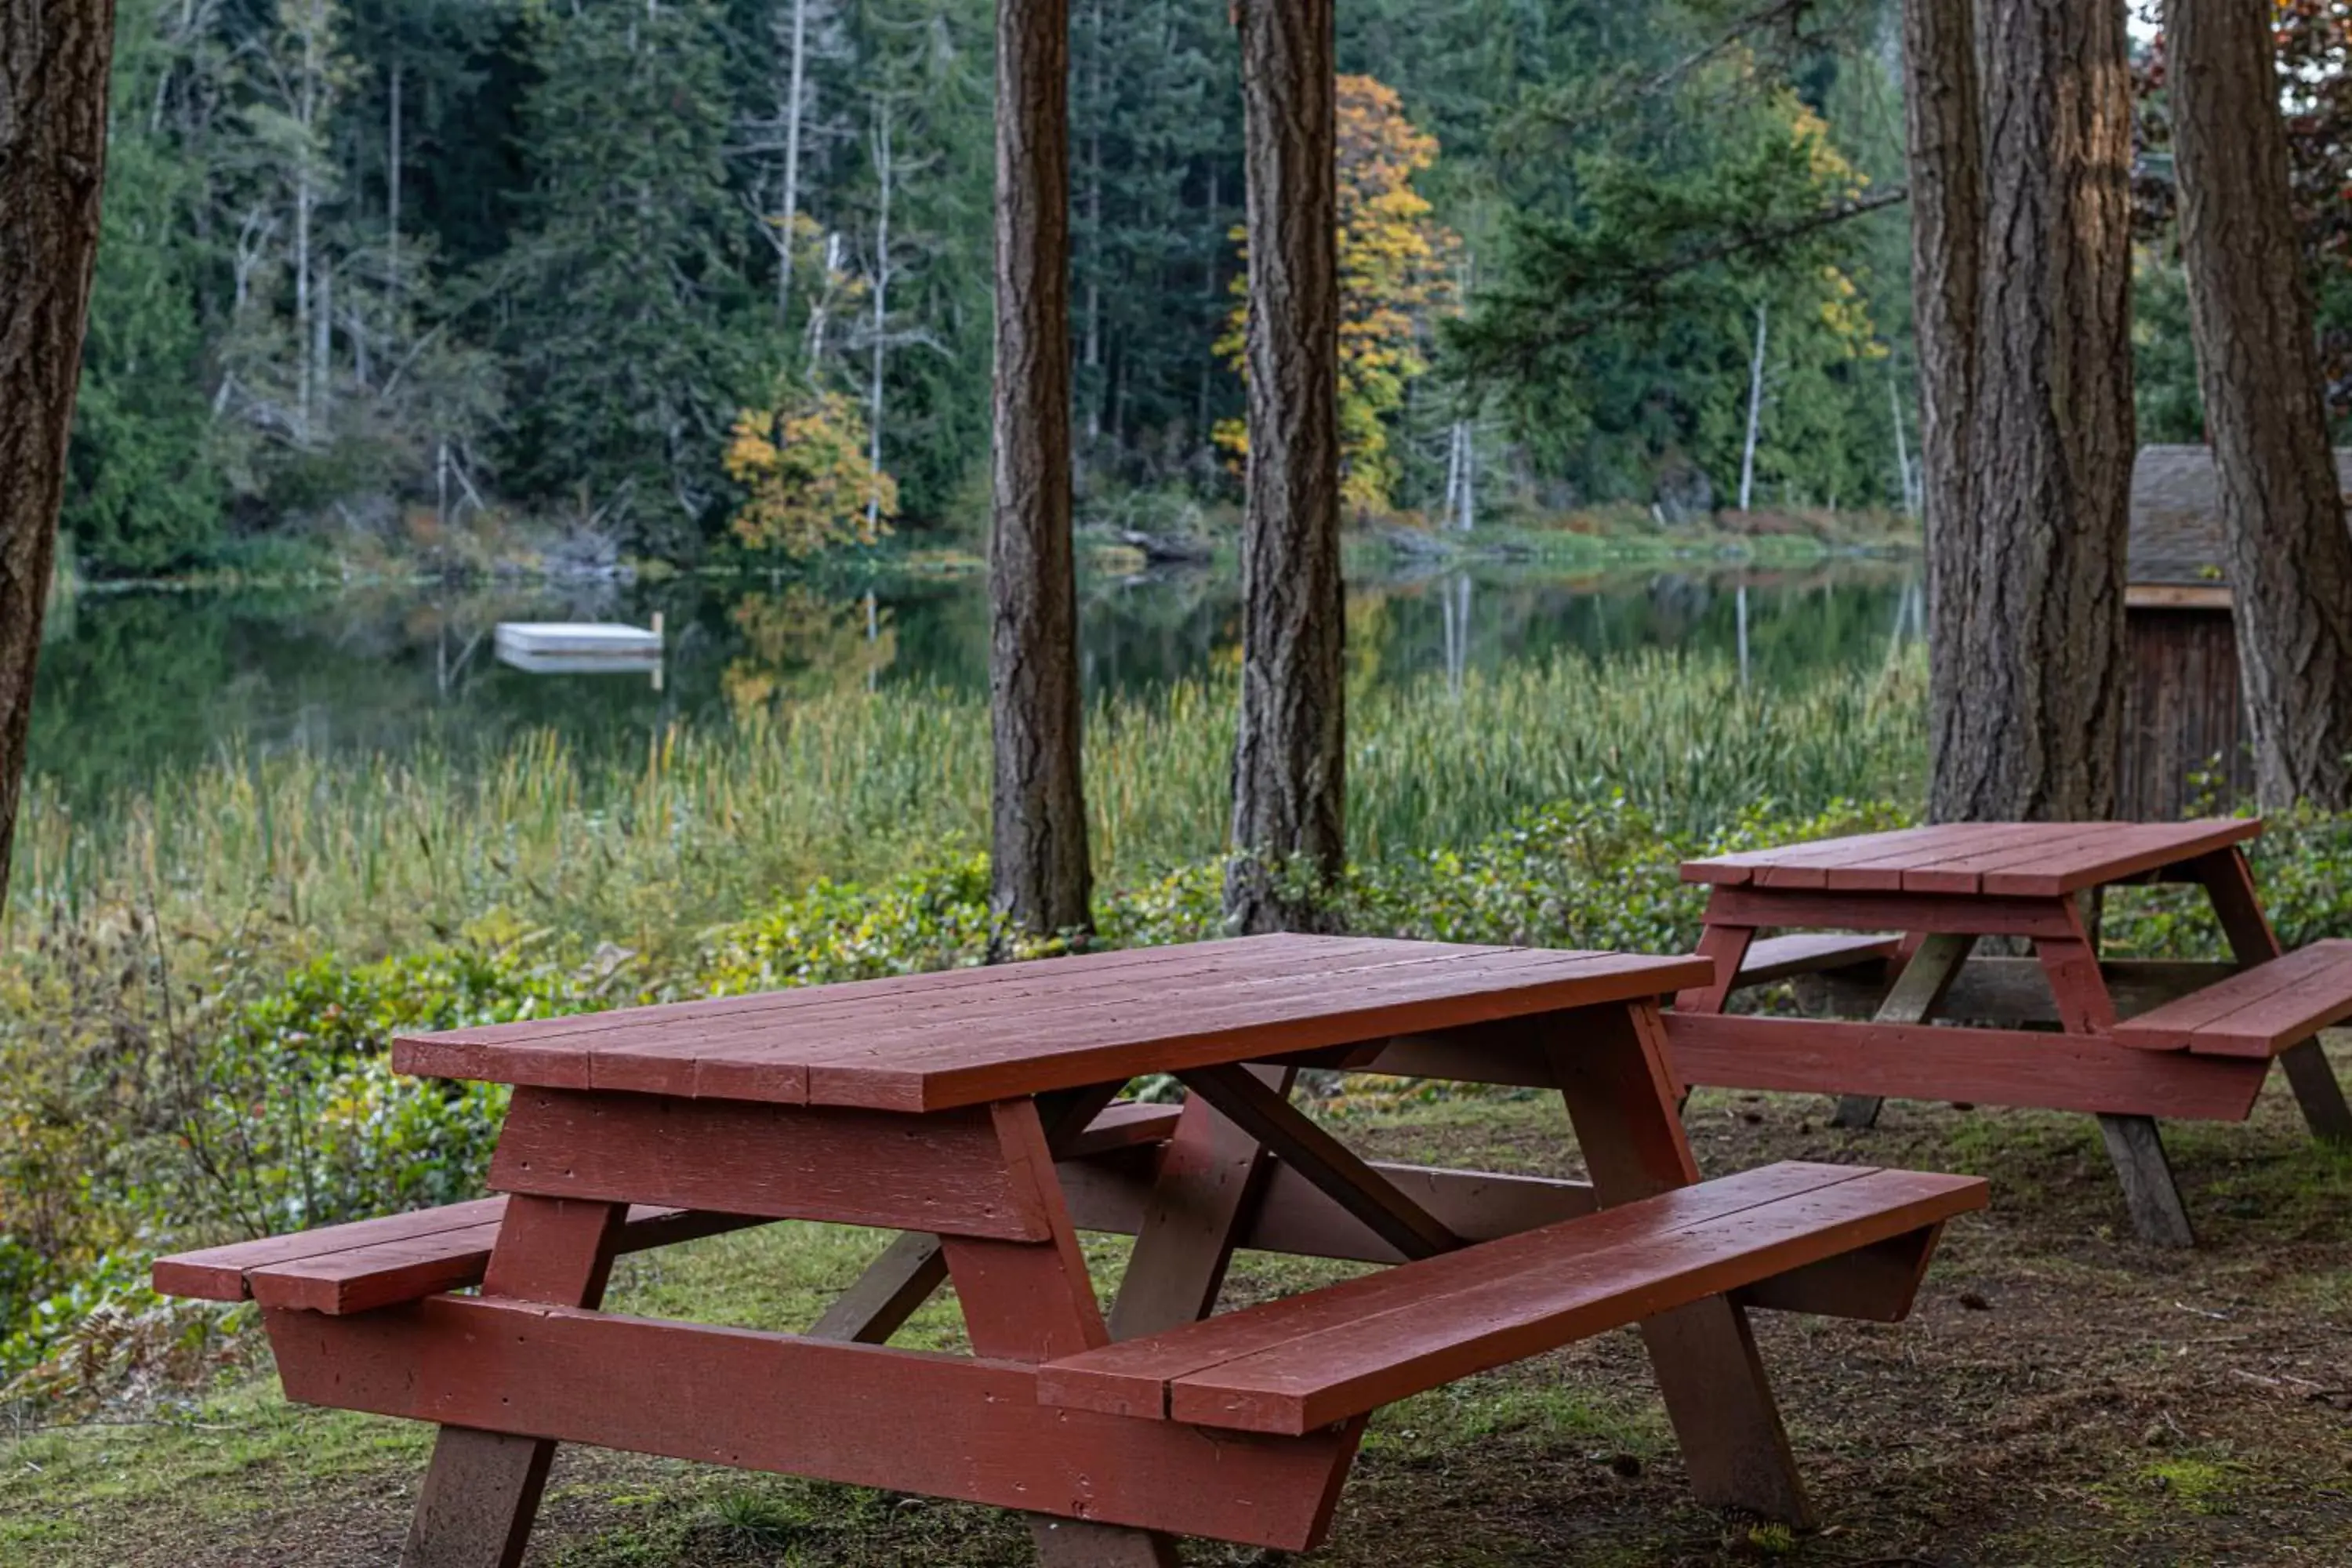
(581, 640)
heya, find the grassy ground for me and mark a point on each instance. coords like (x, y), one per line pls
(2062, 1395)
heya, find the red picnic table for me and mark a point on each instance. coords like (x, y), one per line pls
(2136, 1040)
(975, 1112)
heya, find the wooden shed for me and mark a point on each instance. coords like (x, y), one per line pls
(2184, 716)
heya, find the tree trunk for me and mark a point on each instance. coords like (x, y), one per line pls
(53, 93)
(1290, 759)
(1039, 872)
(1755, 412)
(2027, 525)
(2289, 556)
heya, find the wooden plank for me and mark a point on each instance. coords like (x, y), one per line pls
(1811, 953)
(1126, 1125)
(2139, 848)
(2135, 1149)
(1624, 1099)
(1727, 948)
(1293, 1365)
(941, 1426)
(1131, 1377)
(2257, 1011)
(402, 1260)
(662, 1044)
(1329, 1376)
(482, 1487)
(1980, 1067)
(1196, 1213)
(1739, 869)
(1889, 870)
(2011, 992)
(943, 1174)
(2020, 845)
(2230, 883)
(1917, 992)
(218, 1273)
(1876, 1283)
(1921, 912)
(1305, 1147)
(1295, 1216)
(1873, 863)
(1116, 1046)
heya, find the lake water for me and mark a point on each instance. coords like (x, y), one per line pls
(135, 683)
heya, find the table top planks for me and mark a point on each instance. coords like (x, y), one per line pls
(933, 1042)
(2018, 859)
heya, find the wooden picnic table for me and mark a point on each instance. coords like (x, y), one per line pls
(2135, 1041)
(975, 1113)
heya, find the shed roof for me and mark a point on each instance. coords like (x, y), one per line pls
(2176, 515)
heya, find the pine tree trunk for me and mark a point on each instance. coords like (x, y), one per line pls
(2027, 544)
(53, 89)
(2289, 556)
(1290, 759)
(1038, 840)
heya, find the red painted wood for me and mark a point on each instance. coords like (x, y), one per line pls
(943, 1426)
(1980, 1067)
(1952, 914)
(2008, 846)
(1326, 1377)
(1741, 868)
(1293, 1365)
(2258, 1012)
(2134, 848)
(1811, 953)
(944, 1174)
(343, 1268)
(1875, 1284)
(1727, 947)
(1067, 1036)
(1130, 1378)
(218, 1273)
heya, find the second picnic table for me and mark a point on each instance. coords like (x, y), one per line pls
(975, 1112)
(2138, 1040)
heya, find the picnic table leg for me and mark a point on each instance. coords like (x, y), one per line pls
(1918, 991)
(482, 1491)
(2231, 883)
(896, 1284)
(1032, 1301)
(1199, 1205)
(2134, 1143)
(1620, 1097)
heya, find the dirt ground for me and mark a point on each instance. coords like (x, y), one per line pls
(2062, 1395)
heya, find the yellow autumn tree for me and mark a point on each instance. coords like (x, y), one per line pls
(808, 481)
(1395, 271)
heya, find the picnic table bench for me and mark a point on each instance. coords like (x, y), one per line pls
(2135, 1041)
(975, 1113)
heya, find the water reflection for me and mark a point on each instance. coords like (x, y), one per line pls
(134, 683)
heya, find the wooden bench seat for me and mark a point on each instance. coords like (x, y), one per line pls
(1812, 953)
(1295, 1365)
(370, 1263)
(2257, 1012)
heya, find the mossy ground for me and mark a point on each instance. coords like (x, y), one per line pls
(2062, 1395)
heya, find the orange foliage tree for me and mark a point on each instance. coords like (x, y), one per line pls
(1396, 272)
(809, 483)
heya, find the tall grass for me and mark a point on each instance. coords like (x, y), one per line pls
(364, 854)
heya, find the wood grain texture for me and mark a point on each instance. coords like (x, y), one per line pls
(1980, 1067)
(1917, 992)
(1081, 1024)
(372, 1263)
(1306, 1148)
(943, 1426)
(2258, 1012)
(1809, 952)
(2013, 860)
(1957, 914)
(944, 1174)
(1293, 1365)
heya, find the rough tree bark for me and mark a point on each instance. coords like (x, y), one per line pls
(53, 89)
(1290, 758)
(2289, 556)
(2028, 520)
(1041, 879)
